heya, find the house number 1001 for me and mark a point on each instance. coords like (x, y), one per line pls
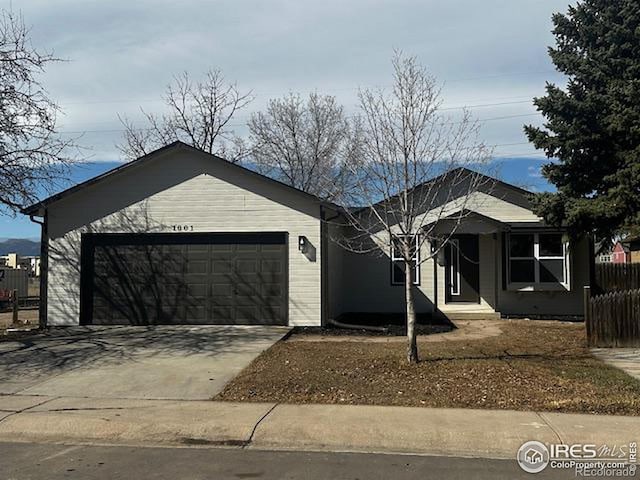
(183, 228)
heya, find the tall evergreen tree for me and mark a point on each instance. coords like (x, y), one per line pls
(593, 125)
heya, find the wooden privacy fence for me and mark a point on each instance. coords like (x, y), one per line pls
(613, 319)
(617, 276)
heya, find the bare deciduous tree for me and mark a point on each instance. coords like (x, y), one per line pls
(305, 144)
(32, 155)
(199, 114)
(411, 179)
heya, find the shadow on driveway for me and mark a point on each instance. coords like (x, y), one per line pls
(168, 362)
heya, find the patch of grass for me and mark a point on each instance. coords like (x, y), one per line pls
(530, 366)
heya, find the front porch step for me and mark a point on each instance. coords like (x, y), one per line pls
(453, 315)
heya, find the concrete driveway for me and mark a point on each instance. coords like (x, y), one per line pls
(160, 362)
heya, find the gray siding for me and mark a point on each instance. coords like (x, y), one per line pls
(363, 282)
(336, 288)
(554, 302)
(182, 188)
(366, 286)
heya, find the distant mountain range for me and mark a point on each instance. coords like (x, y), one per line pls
(21, 246)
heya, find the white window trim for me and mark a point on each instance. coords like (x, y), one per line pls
(537, 285)
(451, 273)
(416, 259)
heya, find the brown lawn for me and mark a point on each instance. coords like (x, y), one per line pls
(532, 365)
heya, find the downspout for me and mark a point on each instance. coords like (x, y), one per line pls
(44, 266)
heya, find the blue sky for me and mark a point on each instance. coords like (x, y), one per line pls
(490, 56)
(520, 171)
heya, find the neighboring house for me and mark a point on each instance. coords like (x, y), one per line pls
(618, 253)
(34, 266)
(11, 260)
(29, 263)
(632, 245)
(182, 236)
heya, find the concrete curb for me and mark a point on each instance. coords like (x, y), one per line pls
(450, 432)
(135, 422)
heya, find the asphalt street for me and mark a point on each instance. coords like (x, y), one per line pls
(23, 461)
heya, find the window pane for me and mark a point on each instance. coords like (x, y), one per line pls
(551, 245)
(398, 273)
(521, 245)
(413, 248)
(523, 271)
(396, 249)
(552, 271)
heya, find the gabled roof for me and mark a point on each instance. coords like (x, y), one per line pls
(510, 193)
(486, 184)
(466, 213)
(39, 207)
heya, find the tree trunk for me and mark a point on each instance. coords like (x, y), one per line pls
(412, 345)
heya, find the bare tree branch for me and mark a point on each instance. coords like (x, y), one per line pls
(33, 157)
(305, 144)
(415, 177)
(199, 114)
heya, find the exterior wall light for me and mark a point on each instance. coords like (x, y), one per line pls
(302, 243)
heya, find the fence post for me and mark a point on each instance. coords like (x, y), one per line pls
(587, 312)
(14, 303)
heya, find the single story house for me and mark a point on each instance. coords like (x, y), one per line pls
(183, 236)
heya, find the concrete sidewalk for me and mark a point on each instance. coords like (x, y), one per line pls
(452, 432)
(626, 359)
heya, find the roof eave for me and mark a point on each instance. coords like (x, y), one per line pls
(35, 210)
(42, 205)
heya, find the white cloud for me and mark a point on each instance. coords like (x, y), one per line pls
(123, 53)
(534, 172)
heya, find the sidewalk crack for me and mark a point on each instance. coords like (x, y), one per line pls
(548, 424)
(28, 408)
(255, 427)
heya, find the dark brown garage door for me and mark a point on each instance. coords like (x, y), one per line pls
(154, 279)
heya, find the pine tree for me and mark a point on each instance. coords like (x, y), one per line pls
(592, 126)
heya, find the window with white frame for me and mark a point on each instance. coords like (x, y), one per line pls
(538, 259)
(397, 262)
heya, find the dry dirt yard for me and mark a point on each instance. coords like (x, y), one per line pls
(531, 365)
(25, 318)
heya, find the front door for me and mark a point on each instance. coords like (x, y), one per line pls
(462, 269)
